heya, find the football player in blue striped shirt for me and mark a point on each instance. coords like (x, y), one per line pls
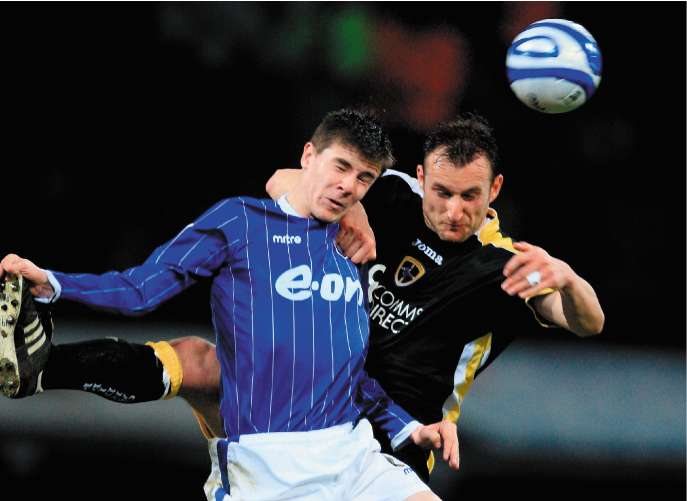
(291, 326)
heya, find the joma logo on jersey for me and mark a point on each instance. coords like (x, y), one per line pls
(429, 252)
(297, 284)
(408, 272)
(286, 239)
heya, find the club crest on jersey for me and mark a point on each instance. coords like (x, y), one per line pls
(409, 271)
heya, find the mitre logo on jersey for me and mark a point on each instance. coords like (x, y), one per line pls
(286, 239)
(408, 272)
(429, 252)
(296, 284)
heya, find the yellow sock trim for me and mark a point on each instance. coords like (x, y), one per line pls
(170, 361)
(430, 461)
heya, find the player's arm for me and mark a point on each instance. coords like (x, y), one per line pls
(355, 238)
(174, 266)
(402, 428)
(282, 181)
(572, 305)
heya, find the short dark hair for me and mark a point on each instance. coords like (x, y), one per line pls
(358, 129)
(464, 138)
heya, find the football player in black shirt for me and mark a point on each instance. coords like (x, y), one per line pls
(441, 308)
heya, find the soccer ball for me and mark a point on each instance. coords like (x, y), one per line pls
(554, 66)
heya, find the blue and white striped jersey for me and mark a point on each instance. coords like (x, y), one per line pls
(288, 310)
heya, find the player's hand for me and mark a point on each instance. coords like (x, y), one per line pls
(437, 435)
(355, 238)
(536, 263)
(14, 265)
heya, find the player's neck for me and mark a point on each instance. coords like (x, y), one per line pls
(297, 204)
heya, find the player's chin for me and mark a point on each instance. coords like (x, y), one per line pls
(328, 215)
(453, 235)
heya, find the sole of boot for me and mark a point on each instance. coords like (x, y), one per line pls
(10, 307)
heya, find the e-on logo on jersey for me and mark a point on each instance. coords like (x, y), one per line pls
(296, 284)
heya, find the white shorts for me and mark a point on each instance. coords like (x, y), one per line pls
(341, 463)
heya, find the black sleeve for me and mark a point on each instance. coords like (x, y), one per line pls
(519, 318)
(388, 195)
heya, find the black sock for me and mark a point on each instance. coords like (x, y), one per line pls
(114, 369)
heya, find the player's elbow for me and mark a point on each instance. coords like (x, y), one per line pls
(134, 311)
(271, 186)
(598, 325)
(137, 305)
(593, 327)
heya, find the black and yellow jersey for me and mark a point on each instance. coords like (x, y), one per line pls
(438, 314)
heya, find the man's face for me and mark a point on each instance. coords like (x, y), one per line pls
(456, 199)
(334, 179)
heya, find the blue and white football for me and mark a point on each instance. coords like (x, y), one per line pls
(554, 66)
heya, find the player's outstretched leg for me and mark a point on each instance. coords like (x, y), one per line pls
(24, 339)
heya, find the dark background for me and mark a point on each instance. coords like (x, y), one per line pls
(124, 122)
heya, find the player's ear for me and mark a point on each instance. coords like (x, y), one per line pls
(309, 152)
(495, 187)
(420, 175)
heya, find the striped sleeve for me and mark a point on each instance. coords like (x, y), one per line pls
(383, 412)
(198, 250)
